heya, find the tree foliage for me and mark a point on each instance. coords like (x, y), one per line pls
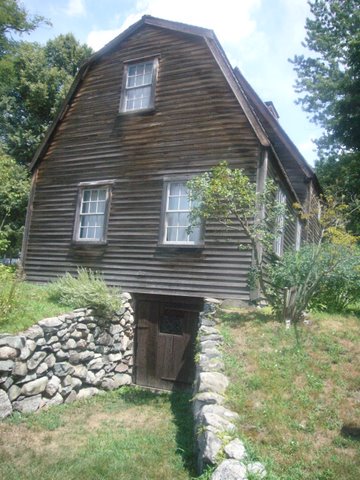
(40, 79)
(14, 190)
(229, 197)
(329, 82)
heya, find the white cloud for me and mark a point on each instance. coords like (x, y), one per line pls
(76, 8)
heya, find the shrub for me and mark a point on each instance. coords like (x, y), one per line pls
(87, 289)
(326, 276)
(9, 279)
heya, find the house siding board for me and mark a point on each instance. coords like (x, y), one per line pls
(197, 123)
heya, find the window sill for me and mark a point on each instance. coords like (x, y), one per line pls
(185, 246)
(142, 111)
(79, 243)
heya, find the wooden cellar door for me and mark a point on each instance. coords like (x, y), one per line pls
(166, 333)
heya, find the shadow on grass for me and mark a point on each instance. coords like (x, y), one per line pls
(181, 409)
(247, 315)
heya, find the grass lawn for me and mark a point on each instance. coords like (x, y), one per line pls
(29, 305)
(130, 434)
(295, 393)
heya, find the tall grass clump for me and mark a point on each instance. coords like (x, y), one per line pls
(9, 280)
(86, 289)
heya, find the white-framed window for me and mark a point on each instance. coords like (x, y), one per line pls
(298, 230)
(176, 211)
(280, 225)
(139, 85)
(92, 212)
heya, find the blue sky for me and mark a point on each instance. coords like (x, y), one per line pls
(257, 35)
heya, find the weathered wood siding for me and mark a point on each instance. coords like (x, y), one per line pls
(197, 123)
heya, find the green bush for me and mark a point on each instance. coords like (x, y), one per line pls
(9, 279)
(325, 276)
(87, 289)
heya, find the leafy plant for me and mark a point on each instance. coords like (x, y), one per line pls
(87, 289)
(9, 280)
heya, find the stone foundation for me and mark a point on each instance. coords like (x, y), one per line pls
(215, 430)
(64, 358)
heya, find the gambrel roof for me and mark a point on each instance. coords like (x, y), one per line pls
(267, 129)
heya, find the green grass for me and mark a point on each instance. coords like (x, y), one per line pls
(294, 390)
(130, 434)
(29, 305)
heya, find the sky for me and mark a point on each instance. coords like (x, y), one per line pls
(258, 36)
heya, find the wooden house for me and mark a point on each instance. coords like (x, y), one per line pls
(157, 105)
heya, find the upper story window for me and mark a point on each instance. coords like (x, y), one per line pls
(92, 212)
(280, 225)
(139, 86)
(176, 216)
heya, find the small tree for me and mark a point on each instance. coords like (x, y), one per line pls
(229, 197)
(14, 190)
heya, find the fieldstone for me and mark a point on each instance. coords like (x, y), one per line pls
(109, 367)
(28, 404)
(27, 379)
(206, 398)
(41, 342)
(87, 393)
(56, 346)
(66, 390)
(71, 397)
(25, 353)
(52, 339)
(20, 369)
(57, 399)
(31, 345)
(34, 332)
(8, 382)
(76, 334)
(61, 333)
(74, 357)
(124, 343)
(5, 405)
(219, 410)
(67, 381)
(90, 378)
(6, 365)
(115, 357)
(50, 324)
(105, 339)
(14, 392)
(230, 470)
(7, 353)
(62, 369)
(76, 383)
(210, 447)
(217, 423)
(212, 382)
(13, 341)
(115, 329)
(53, 386)
(99, 375)
(86, 356)
(60, 355)
(42, 368)
(70, 344)
(235, 449)
(256, 468)
(50, 360)
(211, 365)
(122, 379)
(80, 371)
(96, 364)
(121, 368)
(83, 344)
(34, 387)
(91, 326)
(35, 360)
(125, 296)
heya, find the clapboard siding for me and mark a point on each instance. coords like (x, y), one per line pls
(197, 123)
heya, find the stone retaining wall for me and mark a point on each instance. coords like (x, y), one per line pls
(215, 430)
(65, 358)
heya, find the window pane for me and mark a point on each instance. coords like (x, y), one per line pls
(86, 195)
(172, 219)
(173, 203)
(175, 188)
(102, 194)
(183, 219)
(184, 203)
(85, 207)
(101, 207)
(182, 234)
(94, 195)
(149, 67)
(195, 235)
(171, 234)
(93, 207)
